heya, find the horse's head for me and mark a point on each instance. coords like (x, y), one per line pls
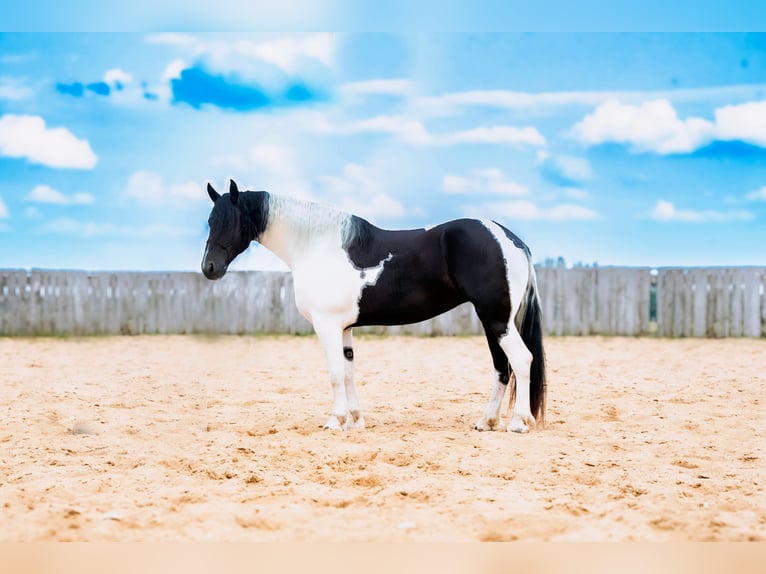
(228, 232)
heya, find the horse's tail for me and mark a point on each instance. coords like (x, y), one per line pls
(529, 323)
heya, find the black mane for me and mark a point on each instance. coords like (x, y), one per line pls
(359, 234)
(255, 208)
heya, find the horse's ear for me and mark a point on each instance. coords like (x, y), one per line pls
(233, 192)
(214, 195)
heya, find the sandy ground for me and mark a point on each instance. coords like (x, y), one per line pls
(191, 438)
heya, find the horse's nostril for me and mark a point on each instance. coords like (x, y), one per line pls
(210, 269)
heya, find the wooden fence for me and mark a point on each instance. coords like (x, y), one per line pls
(700, 302)
(595, 300)
(579, 301)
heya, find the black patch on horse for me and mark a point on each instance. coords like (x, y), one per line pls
(429, 272)
(348, 352)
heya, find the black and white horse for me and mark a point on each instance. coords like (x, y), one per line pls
(349, 273)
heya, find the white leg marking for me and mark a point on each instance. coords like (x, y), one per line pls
(491, 419)
(521, 361)
(355, 418)
(329, 331)
(518, 276)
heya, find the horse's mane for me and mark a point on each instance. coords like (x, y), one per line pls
(309, 221)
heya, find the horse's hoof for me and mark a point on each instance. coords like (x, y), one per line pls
(521, 424)
(356, 424)
(333, 424)
(486, 424)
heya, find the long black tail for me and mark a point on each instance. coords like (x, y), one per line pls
(531, 330)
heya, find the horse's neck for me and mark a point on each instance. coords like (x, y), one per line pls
(298, 228)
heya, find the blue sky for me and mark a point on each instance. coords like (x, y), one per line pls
(621, 149)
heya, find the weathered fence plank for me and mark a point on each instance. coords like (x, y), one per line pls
(752, 303)
(691, 302)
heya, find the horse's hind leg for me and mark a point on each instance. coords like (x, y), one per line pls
(521, 360)
(491, 418)
(355, 418)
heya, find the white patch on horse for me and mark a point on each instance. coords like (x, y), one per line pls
(310, 238)
(519, 272)
(491, 418)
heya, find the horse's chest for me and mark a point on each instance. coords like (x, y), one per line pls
(328, 284)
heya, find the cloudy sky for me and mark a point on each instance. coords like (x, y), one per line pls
(637, 149)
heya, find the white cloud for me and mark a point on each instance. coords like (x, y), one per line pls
(117, 76)
(565, 169)
(230, 161)
(23, 136)
(188, 190)
(455, 102)
(757, 195)
(173, 70)
(456, 184)
(745, 122)
(411, 131)
(126, 91)
(72, 227)
(576, 193)
(494, 135)
(650, 126)
(288, 53)
(390, 87)
(414, 132)
(378, 205)
(148, 188)
(269, 166)
(275, 158)
(527, 210)
(134, 94)
(482, 182)
(452, 103)
(13, 89)
(4, 213)
(46, 194)
(654, 126)
(278, 170)
(665, 211)
(359, 191)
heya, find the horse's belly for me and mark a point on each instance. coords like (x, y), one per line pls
(381, 306)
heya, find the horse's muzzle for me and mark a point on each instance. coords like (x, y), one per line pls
(213, 271)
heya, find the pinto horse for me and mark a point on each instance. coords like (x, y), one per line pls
(349, 273)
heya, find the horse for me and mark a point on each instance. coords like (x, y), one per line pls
(348, 273)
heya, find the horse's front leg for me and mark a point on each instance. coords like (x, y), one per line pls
(330, 333)
(355, 420)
